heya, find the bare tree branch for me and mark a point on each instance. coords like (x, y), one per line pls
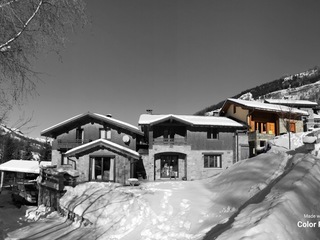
(29, 28)
(8, 3)
(7, 43)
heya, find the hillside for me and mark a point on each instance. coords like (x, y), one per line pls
(14, 144)
(304, 85)
(17, 134)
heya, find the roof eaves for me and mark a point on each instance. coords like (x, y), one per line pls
(68, 121)
(296, 111)
(118, 123)
(50, 131)
(102, 143)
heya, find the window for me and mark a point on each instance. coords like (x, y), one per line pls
(212, 134)
(234, 109)
(166, 134)
(292, 127)
(79, 134)
(212, 161)
(262, 127)
(263, 143)
(102, 169)
(105, 133)
(64, 160)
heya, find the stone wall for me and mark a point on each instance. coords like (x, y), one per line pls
(195, 164)
(122, 168)
(243, 147)
(82, 164)
(56, 158)
(282, 128)
(191, 162)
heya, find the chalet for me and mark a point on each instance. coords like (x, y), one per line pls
(264, 121)
(188, 147)
(305, 105)
(100, 147)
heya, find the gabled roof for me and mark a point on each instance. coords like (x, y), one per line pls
(23, 166)
(102, 144)
(150, 119)
(294, 102)
(255, 105)
(86, 118)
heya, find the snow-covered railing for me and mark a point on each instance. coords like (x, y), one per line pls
(68, 144)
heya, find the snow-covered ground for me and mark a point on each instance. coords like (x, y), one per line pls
(272, 196)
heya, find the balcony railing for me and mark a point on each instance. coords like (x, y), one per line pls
(256, 136)
(170, 141)
(68, 144)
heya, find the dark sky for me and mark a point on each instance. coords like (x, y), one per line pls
(173, 56)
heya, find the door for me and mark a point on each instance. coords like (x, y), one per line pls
(244, 152)
(102, 169)
(169, 166)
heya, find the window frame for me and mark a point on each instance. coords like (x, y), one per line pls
(212, 161)
(213, 133)
(80, 134)
(107, 133)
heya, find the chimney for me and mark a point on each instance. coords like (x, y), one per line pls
(109, 115)
(149, 111)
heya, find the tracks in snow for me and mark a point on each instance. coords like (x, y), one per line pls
(218, 229)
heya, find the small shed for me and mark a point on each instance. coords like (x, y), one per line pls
(21, 166)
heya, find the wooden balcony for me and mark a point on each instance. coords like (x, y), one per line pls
(256, 136)
(68, 144)
(170, 141)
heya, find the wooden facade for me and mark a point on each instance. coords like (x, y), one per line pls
(198, 138)
(77, 143)
(264, 121)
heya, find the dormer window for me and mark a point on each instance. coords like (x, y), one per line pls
(105, 133)
(79, 134)
(212, 134)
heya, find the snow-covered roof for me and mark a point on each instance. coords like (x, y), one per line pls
(291, 102)
(316, 116)
(84, 119)
(102, 144)
(24, 166)
(265, 106)
(150, 119)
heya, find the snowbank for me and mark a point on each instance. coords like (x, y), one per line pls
(290, 211)
(282, 142)
(35, 213)
(105, 207)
